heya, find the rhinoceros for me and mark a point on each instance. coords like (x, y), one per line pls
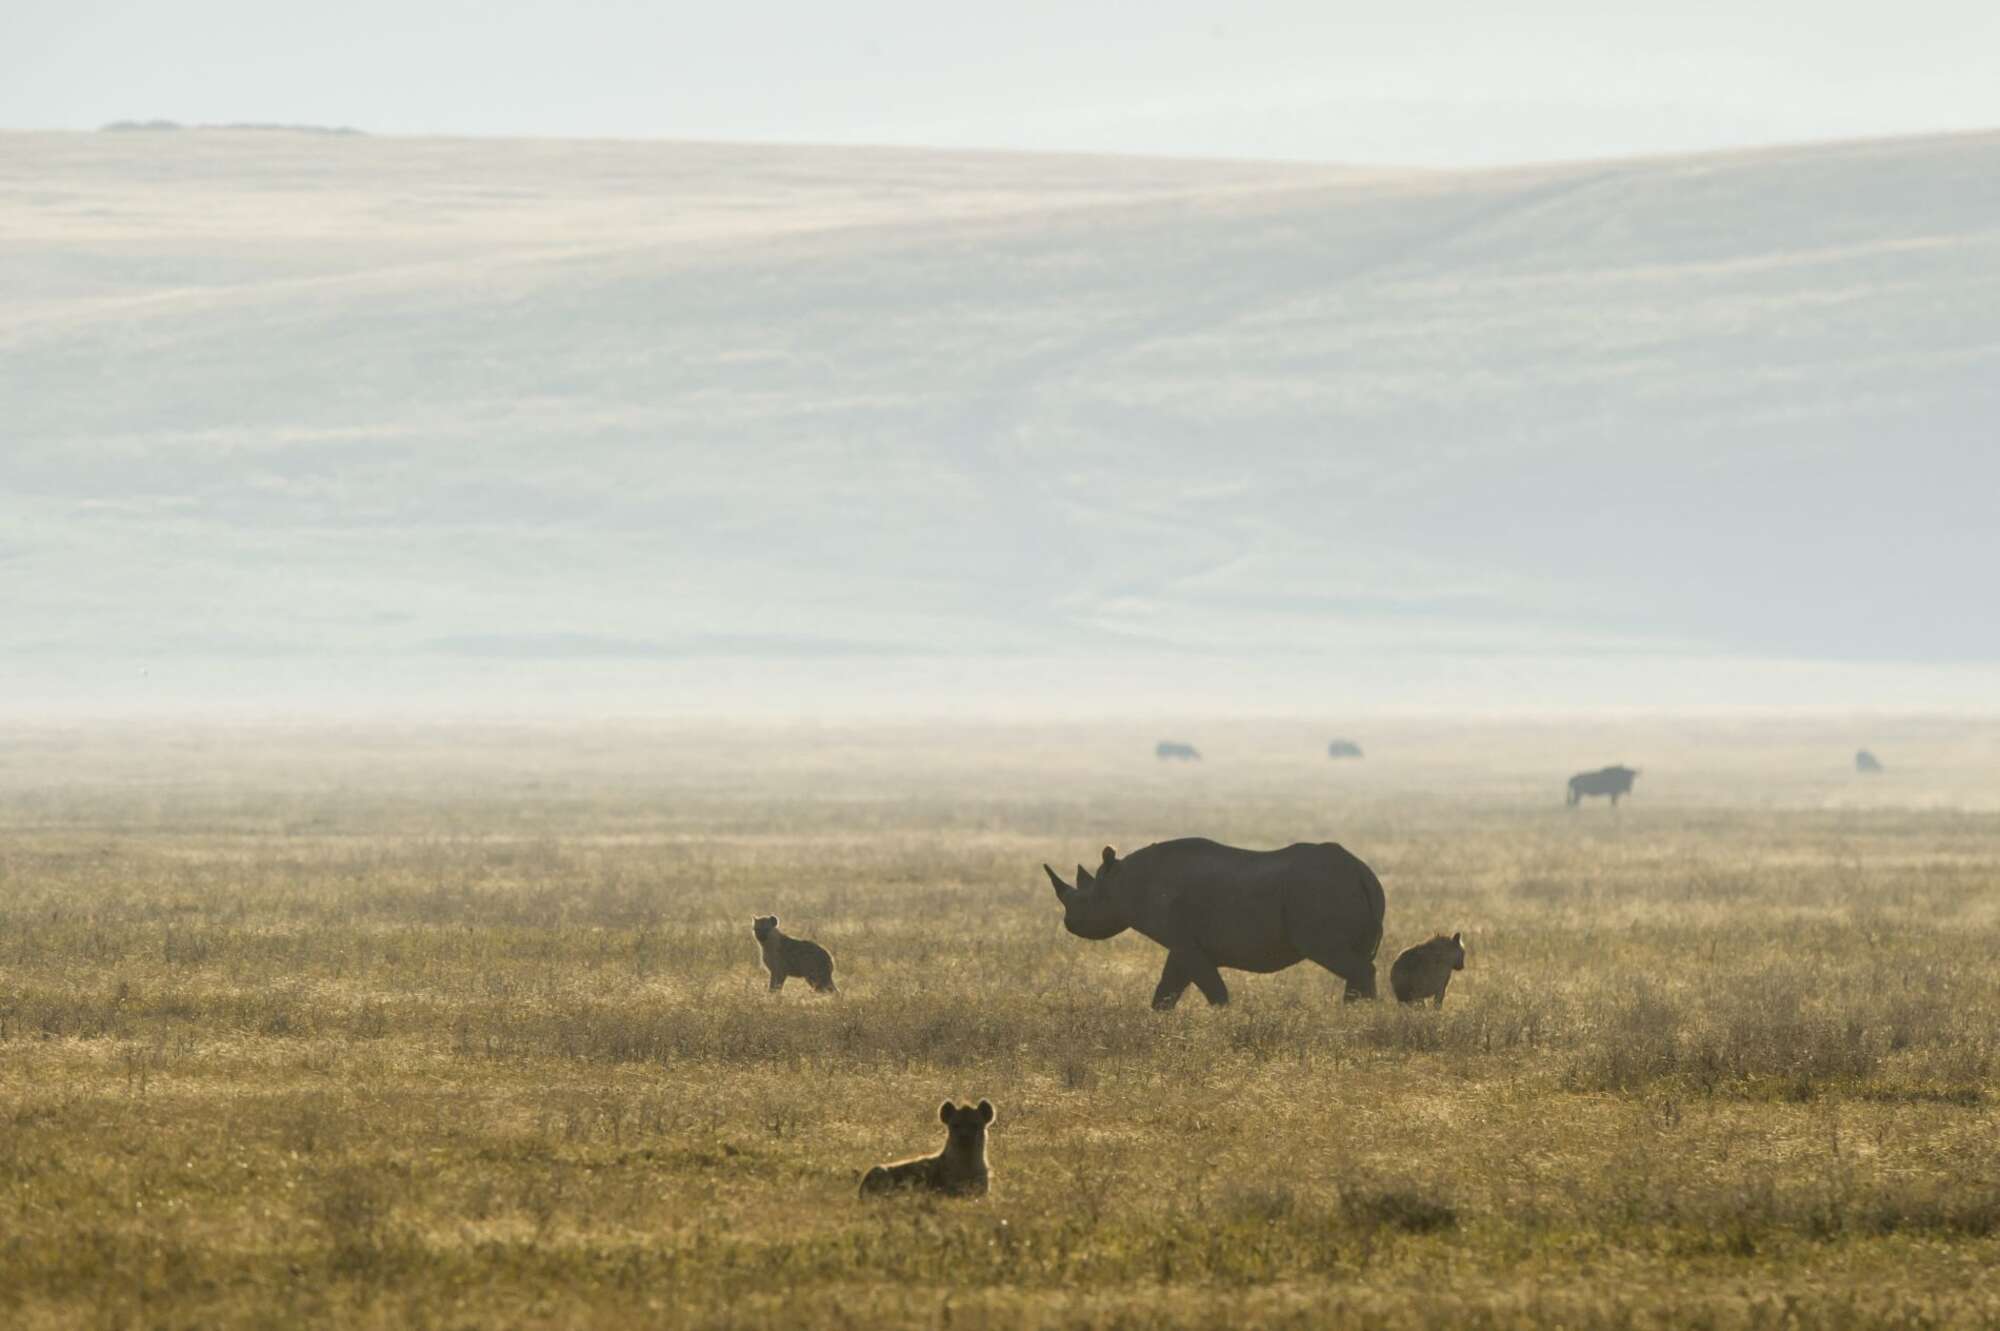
(1213, 906)
(1173, 748)
(1865, 761)
(1343, 748)
(1612, 781)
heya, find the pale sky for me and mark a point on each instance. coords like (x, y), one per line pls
(1433, 82)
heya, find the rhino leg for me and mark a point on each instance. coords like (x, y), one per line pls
(1185, 966)
(1351, 966)
(1209, 980)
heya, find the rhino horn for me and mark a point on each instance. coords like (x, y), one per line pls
(1062, 889)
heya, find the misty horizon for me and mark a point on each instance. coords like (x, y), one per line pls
(348, 420)
(878, 361)
(1440, 83)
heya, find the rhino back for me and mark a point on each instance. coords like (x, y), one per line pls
(1244, 906)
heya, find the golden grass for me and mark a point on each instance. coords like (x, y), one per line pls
(466, 1028)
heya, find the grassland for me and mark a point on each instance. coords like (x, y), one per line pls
(465, 1028)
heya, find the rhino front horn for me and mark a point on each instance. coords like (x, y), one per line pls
(1062, 889)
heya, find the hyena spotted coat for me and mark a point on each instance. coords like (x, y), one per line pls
(959, 1169)
(1424, 970)
(785, 956)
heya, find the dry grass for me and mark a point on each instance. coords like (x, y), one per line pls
(468, 1029)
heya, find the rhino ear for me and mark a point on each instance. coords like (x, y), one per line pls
(945, 1111)
(1062, 889)
(1110, 858)
(985, 1111)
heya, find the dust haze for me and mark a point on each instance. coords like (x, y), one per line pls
(358, 424)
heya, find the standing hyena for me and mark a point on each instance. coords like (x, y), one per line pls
(1424, 970)
(785, 957)
(960, 1168)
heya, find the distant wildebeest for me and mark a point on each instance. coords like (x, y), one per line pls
(1423, 971)
(959, 1168)
(1865, 761)
(1173, 748)
(1343, 748)
(1612, 781)
(786, 956)
(1212, 906)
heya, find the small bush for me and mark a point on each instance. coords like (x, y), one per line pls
(1399, 1208)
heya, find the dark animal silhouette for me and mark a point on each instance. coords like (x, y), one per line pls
(1865, 761)
(960, 1168)
(1213, 906)
(1423, 971)
(1612, 781)
(1173, 748)
(1343, 748)
(786, 956)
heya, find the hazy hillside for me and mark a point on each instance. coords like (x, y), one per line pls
(320, 409)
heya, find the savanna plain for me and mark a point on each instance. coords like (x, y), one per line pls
(463, 1026)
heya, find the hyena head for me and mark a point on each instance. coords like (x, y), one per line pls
(1455, 949)
(967, 1124)
(764, 926)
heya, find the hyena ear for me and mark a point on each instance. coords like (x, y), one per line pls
(945, 1111)
(985, 1111)
(1110, 858)
(1454, 938)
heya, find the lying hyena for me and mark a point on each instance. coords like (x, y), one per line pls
(959, 1169)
